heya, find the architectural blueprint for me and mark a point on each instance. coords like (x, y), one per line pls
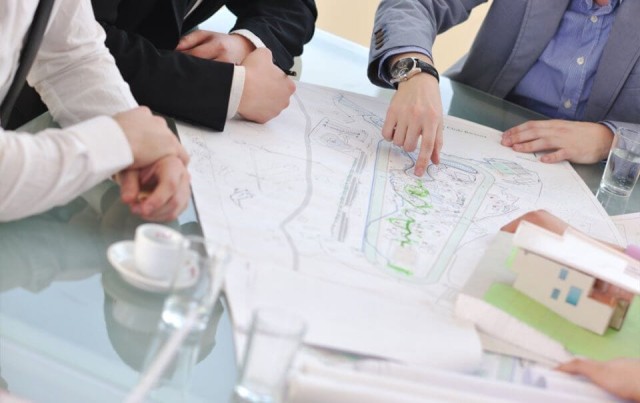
(629, 227)
(319, 193)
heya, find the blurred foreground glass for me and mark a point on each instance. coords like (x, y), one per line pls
(613, 204)
(623, 165)
(274, 338)
(186, 313)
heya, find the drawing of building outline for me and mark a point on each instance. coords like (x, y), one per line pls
(319, 192)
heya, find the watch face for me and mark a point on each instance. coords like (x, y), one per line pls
(402, 67)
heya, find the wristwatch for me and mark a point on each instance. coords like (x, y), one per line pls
(407, 67)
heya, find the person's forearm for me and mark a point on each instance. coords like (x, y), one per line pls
(284, 27)
(55, 166)
(172, 83)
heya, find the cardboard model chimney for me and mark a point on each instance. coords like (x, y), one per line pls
(585, 281)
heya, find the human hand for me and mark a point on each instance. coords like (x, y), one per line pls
(579, 142)
(231, 48)
(619, 376)
(149, 137)
(541, 218)
(416, 110)
(158, 192)
(267, 89)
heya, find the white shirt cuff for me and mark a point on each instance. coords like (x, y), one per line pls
(106, 143)
(253, 38)
(237, 87)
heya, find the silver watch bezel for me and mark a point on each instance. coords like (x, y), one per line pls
(408, 73)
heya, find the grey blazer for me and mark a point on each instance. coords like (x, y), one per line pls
(511, 38)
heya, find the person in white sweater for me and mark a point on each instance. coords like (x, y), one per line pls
(104, 133)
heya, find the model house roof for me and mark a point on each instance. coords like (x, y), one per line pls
(580, 252)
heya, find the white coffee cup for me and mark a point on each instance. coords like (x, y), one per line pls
(158, 251)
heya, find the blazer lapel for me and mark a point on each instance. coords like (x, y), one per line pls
(204, 11)
(618, 58)
(539, 25)
(179, 10)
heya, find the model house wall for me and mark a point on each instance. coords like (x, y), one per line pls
(562, 289)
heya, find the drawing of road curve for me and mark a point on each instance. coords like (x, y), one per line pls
(318, 191)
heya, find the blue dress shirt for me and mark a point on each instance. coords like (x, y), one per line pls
(559, 83)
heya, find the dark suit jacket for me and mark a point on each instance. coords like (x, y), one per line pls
(142, 36)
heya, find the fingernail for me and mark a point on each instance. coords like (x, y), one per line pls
(419, 171)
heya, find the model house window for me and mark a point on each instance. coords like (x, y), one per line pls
(555, 293)
(573, 296)
(563, 274)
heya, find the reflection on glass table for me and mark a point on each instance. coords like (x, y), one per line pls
(135, 329)
(70, 328)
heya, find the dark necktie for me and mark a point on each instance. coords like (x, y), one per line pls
(27, 55)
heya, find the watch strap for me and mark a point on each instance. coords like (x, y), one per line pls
(427, 68)
(419, 66)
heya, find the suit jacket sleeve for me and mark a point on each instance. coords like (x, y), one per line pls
(283, 25)
(185, 87)
(412, 23)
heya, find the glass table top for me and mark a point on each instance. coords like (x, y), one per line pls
(72, 330)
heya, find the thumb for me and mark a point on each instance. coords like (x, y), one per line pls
(129, 185)
(186, 42)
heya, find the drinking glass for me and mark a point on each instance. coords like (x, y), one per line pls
(623, 165)
(185, 316)
(274, 337)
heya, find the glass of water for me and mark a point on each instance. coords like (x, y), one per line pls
(197, 284)
(274, 337)
(623, 165)
(186, 316)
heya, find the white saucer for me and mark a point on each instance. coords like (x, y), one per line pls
(120, 255)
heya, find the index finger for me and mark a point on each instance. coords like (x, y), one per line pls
(190, 40)
(435, 156)
(426, 149)
(182, 155)
(169, 176)
(129, 185)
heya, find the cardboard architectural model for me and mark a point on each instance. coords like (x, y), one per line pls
(583, 280)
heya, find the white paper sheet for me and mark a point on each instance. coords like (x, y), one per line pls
(318, 193)
(356, 321)
(629, 227)
(374, 381)
(499, 324)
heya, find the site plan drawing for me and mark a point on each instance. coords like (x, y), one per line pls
(317, 192)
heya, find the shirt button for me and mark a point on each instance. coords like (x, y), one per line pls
(567, 104)
(594, 18)
(580, 60)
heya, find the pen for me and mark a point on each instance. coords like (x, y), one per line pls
(288, 72)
